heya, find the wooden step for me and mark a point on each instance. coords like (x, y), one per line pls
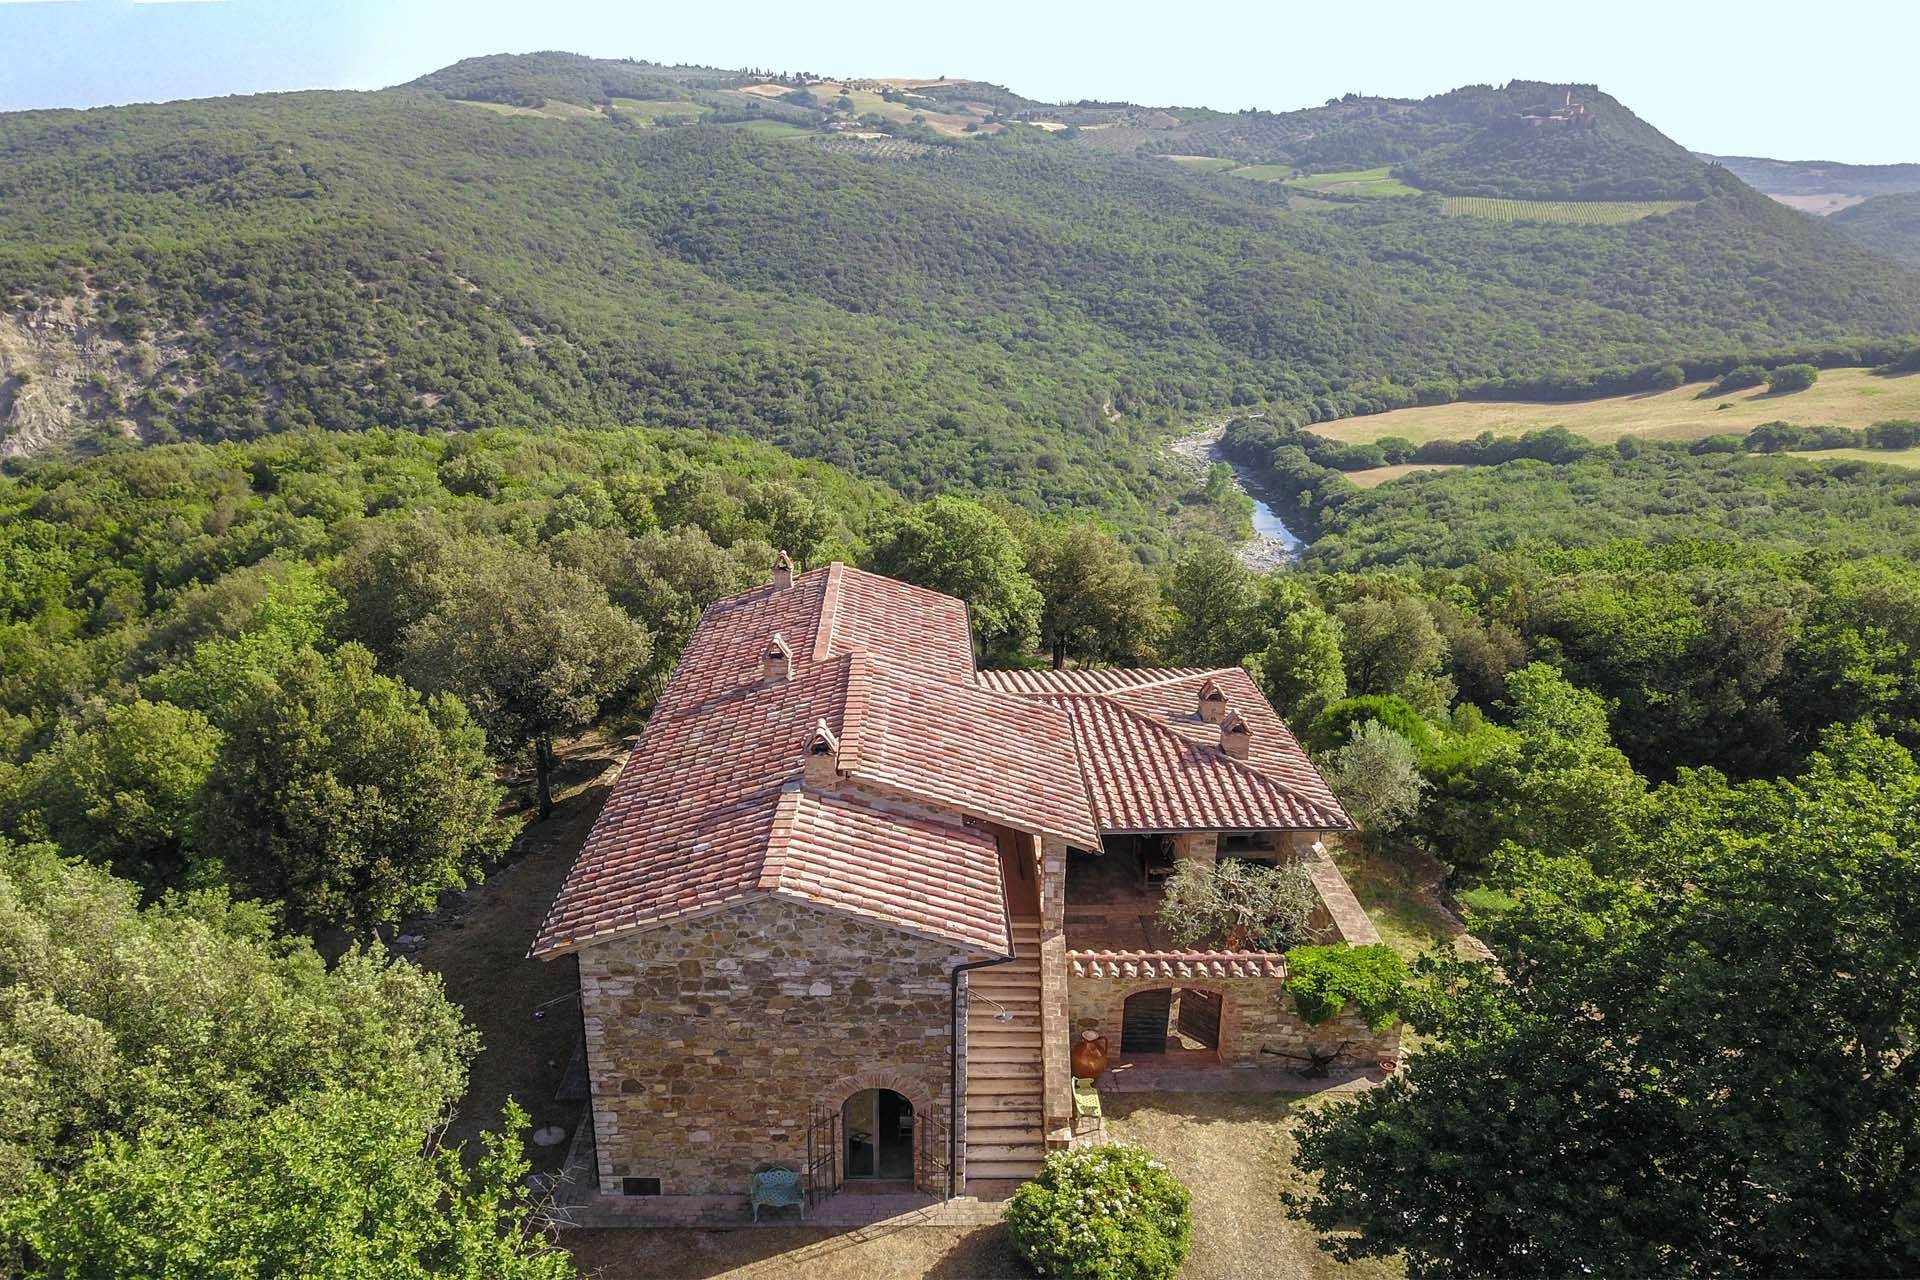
(1033, 1134)
(1012, 1170)
(1022, 1084)
(1027, 1072)
(1005, 1035)
(981, 1055)
(1001, 1104)
(993, 1153)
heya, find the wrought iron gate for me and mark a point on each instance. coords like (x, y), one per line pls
(825, 1141)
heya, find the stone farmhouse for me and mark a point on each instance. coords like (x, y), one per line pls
(852, 900)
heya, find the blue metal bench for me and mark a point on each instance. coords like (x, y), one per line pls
(777, 1189)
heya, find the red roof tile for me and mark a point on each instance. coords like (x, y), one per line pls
(1146, 777)
(1010, 760)
(711, 806)
(1170, 699)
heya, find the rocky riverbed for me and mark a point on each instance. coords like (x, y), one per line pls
(1272, 543)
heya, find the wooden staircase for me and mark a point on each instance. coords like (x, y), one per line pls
(1006, 1122)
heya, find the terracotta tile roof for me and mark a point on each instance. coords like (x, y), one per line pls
(711, 806)
(1145, 777)
(1010, 760)
(906, 626)
(940, 878)
(1169, 699)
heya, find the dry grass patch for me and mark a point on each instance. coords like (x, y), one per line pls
(1374, 477)
(1236, 1152)
(1841, 398)
(804, 1253)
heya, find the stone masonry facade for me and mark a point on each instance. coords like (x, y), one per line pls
(1256, 1013)
(712, 1040)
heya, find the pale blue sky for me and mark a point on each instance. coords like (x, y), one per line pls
(1758, 78)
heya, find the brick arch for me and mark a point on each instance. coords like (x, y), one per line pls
(1115, 1015)
(836, 1094)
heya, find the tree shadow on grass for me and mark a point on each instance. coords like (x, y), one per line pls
(852, 1253)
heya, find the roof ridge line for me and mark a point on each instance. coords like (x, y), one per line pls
(829, 612)
(773, 865)
(853, 708)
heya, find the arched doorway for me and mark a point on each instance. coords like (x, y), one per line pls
(1179, 1020)
(878, 1124)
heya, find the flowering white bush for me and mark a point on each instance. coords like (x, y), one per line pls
(1102, 1213)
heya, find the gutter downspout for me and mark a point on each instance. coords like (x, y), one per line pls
(953, 1040)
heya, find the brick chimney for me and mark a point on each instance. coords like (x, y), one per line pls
(776, 664)
(1213, 701)
(1235, 737)
(823, 758)
(782, 571)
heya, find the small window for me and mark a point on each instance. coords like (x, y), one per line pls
(640, 1186)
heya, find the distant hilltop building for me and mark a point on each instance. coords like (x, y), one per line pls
(1568, 115)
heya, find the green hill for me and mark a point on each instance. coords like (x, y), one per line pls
(1525, 140)
(1022, 312)
(1887, 224)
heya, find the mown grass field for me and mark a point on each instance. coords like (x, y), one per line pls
(551, 111)
(771, 128)
(1374, 477)
(1586, 212)
(640, 110)
(1355, 182)
(1842, 397)
(1263, 172)
(1205, 164)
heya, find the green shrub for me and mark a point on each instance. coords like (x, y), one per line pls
(1333, 727)
(1236, 905)
(1792, 377)
(1747, 375)
(1323, 979)
(1102, 1213)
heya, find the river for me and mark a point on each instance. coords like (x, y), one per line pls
(1272, 543)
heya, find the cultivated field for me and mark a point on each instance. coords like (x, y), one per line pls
(1374, 477)
(1842, 398)
(1586, 212)
(771, 128)
(551, 111)
(640, 110)
(1355, 182)
(1352, 182)
(1822, 206)
(957, 119)
(1206, 164)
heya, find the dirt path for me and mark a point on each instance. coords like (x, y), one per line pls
(477, 942)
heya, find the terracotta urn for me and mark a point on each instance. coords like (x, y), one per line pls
(1089, 1056)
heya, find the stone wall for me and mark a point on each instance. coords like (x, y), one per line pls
(711, 1041)
(1256, 1012)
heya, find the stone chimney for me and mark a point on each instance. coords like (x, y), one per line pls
(782, 571)
(776, 664)
(823, 758)
(1213, 701)
(1235, 737)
